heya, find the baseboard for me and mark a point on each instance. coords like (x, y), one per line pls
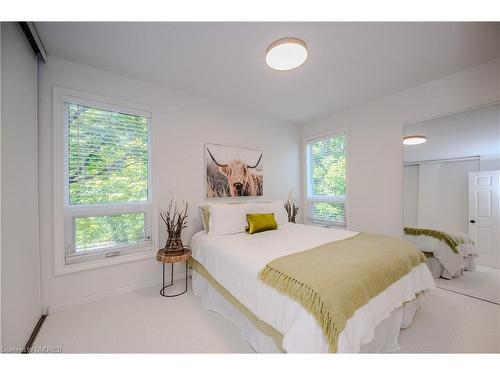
(110, 293)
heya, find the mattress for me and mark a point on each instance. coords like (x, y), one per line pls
(234, 261)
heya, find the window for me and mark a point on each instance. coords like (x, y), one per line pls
(107, 199)
(326, 179)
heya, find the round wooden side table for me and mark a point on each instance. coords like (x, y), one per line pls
(164, 257)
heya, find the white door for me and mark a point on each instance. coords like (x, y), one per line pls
(484, 216)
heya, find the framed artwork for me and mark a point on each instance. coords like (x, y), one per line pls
(233, 171)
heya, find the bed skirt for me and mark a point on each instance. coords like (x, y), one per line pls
(438, 270)
(265, 339)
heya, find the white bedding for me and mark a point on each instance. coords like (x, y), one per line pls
(235, 261)
(453, 263)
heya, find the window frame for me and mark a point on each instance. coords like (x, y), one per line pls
(64, 213)
(308, 198)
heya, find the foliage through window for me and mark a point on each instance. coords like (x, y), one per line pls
(107, 181)
(326, 179)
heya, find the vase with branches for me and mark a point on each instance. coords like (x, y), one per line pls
(291, 210)
(175, 220)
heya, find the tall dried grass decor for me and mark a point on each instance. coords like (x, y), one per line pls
(291, 208)
(175, 220)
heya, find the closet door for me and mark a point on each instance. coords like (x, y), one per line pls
(484, 215)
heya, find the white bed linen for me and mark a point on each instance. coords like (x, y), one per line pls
(386, 338)
(235, 261)
(453, 263)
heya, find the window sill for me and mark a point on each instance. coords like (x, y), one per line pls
(63, 269)
(327, 224)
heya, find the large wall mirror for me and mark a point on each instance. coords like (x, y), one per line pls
(451, 198)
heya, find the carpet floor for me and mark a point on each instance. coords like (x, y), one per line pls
(482, 283)
(144, 322)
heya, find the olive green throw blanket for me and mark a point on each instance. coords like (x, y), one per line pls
(451, 239)
(333, 280)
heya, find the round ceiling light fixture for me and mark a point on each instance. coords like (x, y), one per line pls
(412, 140)
(286, 53)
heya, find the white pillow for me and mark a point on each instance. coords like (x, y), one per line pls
(228, 218)
(277, 208)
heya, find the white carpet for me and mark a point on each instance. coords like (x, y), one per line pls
(141, 322)
(482, 283)
(453, 323)
(144, 322)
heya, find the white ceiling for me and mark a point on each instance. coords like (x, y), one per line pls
(348, 64)
(471, 133)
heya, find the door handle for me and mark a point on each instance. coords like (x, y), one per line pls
(473, 221)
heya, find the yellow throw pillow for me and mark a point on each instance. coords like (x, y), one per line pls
(260, 223)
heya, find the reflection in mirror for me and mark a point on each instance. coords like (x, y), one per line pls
(451, 198)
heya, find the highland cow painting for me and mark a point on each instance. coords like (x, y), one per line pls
(233, 172)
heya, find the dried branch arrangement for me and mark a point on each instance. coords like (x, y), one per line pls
(175, 220)
(291, 210)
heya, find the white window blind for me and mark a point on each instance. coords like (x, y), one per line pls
(107, 185)
(326, 182)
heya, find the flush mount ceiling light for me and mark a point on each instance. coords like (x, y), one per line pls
(412, 140)
(286, 53)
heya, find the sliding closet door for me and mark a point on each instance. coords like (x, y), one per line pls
(443, 195)
(19, 147)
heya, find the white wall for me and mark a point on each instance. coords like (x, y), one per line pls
(20, 256)
(185, 123)
(375, 131)
(489, 162)
(465, 134)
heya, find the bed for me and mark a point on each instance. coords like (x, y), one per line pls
(449, 254)
(225, 274)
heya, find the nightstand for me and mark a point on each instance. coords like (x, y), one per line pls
(165, 257)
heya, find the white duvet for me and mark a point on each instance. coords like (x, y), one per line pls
(235, 261)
